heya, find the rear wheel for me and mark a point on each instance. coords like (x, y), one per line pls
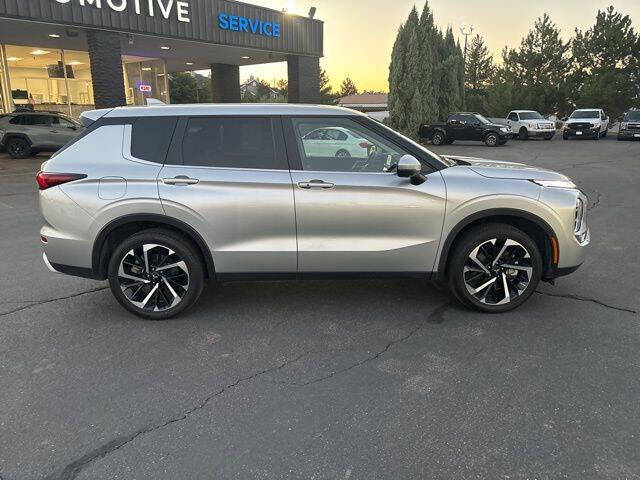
(342, 153)
(438, 138)
(18, 148)
(491, 140)
(156, 274)
(548, 137)
(494, 268)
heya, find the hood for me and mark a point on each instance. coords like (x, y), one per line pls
(507, 170)
(584, 120)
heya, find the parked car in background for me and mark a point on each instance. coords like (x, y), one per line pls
(587, 123)
(23, 134)
(529, 123)
(465, 126)
(177, 194)
(335, 141)
(630, 126)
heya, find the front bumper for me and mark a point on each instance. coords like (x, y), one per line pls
(542, 133)
(584, 133)
(629, 134)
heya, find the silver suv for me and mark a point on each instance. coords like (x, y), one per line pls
(159, 199)
(27, 133)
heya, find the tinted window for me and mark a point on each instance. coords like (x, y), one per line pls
(369, 152)
(585, 114)
(530, 116)
(16, 120)
(62, 122)
(151, 136)
(513, 117)
(470, 119)
(36, 120)
(229, 142)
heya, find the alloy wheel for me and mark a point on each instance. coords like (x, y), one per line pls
(153, 277)
(497, 271)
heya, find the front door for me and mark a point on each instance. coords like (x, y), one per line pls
(354, 214)
(230, 180)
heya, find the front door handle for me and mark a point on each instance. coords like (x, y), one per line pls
(180, 180)
(316, 184)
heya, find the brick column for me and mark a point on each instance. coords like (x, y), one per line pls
(304, 79)
(225, 83)
(105, 56)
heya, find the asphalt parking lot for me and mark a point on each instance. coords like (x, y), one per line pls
(330, 379)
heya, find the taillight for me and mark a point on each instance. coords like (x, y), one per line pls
(46, 180)
(364, 145)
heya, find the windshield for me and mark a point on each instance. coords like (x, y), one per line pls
(417, 145)
(530, 116)
(585, 114)
(632, 116)
(482, 118)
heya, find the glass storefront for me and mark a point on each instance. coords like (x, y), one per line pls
(38, 80)
(145, 78)
(34, 78)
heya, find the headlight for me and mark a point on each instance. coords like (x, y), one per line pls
(580, 220)
(555, 183)
(623, 126)
(504, 129)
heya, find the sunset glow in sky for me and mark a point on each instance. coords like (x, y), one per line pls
(359, 34)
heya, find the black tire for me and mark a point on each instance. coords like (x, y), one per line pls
(565, 137)
(478, 236)
(187, 253)
(523, 134)
(449, 141)
(18, 148)
(596, 137)
(492, 139)
(604, 135)
(438, 138)
(548, 137)
(342, 153)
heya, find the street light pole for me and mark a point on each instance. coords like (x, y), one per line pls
(466, 30)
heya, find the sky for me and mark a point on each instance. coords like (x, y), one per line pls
(359, 34)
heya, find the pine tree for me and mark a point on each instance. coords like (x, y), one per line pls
(539, 67)
(479, 69)
(348, 87)
(397, 73)
(327, 97)
(606, 59)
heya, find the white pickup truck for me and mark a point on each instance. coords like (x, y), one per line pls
(529, 123)
(586, 122)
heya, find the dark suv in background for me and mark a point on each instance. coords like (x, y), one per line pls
(23, 134)
(466, 126)
(630, 126)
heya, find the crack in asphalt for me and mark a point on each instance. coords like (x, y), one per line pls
(587, 299)
(73, 469)
(596, 202)
(36, 303)
(437, 316)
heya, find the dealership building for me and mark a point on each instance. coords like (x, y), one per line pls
(76, 55)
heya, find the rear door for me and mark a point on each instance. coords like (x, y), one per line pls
(353, 213)
(63, 130)
(228, 177)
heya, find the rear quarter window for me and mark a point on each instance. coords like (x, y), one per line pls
(151, 137)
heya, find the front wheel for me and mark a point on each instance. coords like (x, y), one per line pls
(523, 134)
(438, 138)
(156, 274)
(491, 140)
(494, 268)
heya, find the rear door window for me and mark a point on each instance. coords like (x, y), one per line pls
(151, 137)
(36, 120)
(231, 142)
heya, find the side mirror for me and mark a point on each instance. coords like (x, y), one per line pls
(410, 167)
(72, 127)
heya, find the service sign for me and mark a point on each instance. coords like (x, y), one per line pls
(144, 87)
(237, 23)
(148, 8)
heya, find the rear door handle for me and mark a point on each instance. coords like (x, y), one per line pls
(180, 180)
(316, 184)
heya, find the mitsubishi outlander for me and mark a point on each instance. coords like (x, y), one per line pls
(159, 199)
